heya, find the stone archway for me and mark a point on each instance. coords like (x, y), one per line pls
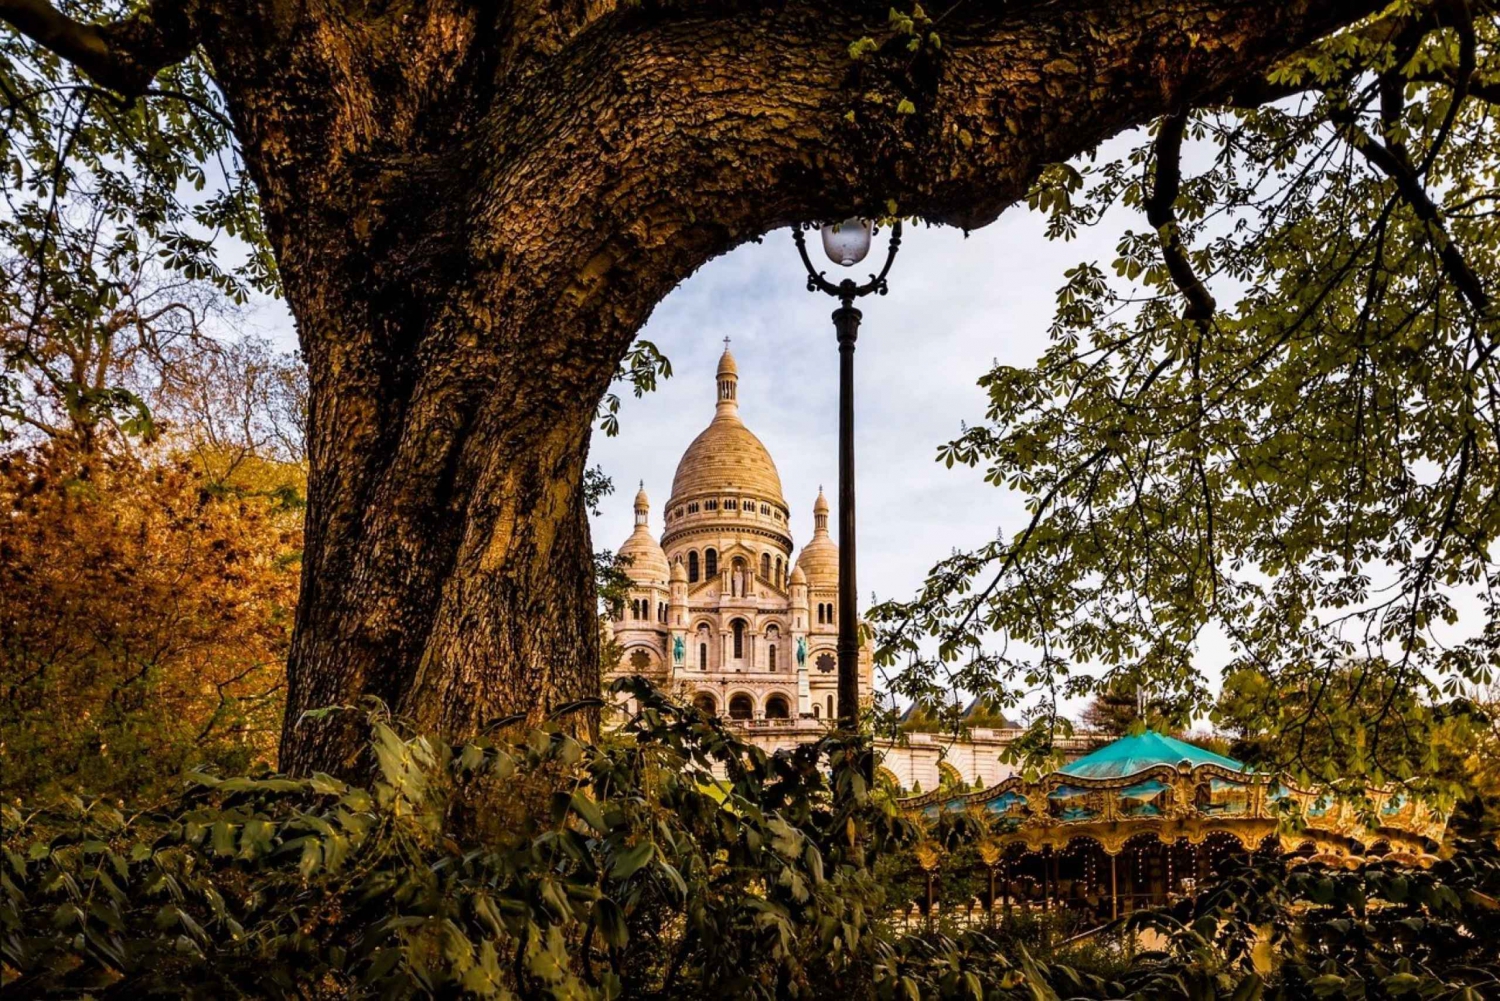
(741, 706)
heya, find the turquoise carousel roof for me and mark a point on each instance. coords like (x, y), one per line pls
(1137, 752)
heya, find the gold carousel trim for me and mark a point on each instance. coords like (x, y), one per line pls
(1192, 802)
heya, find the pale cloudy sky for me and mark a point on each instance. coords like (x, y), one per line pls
(955, 306)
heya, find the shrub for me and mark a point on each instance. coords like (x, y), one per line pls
(667, 861)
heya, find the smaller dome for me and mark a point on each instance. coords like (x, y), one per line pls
(819, 559)
(726, 364)
(648, 564)
(798, 577)
(679, 573)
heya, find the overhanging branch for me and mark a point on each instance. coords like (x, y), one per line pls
(1163, 218)
(123, 55)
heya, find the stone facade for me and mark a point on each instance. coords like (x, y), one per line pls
(719, 613)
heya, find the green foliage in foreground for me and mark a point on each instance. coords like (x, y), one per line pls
(531, 865)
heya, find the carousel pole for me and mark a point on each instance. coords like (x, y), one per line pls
(929, 900)
(1114, 889)
(1005, 890)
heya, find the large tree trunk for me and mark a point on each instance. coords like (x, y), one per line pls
(476, 209)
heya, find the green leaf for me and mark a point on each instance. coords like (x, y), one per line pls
(631, 859)
(588, 811)
(611, 922)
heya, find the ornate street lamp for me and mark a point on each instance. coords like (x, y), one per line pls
(846, 244)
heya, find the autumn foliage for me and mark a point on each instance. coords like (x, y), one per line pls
(144, 619)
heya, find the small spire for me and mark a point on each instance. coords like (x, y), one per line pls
(642, 505)
(820, 513)
(727, 378)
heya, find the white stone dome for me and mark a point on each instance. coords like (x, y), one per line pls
(819, 559)
(726, 457)
(648, 563)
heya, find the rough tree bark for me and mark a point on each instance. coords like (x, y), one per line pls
(476, 206)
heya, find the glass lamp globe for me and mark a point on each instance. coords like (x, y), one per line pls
(847, 242)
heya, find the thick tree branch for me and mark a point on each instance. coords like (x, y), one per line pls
(1163, 217)
(125, 55)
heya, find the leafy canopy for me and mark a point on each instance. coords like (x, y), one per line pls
(1273, 416)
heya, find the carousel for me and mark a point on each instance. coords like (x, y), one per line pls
(1147, 817)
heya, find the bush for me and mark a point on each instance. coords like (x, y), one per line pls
(530, 865)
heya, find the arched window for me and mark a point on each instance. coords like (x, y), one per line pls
(705, 703)
(661, 611)
(776, 708)
(740, 707)
(830, 707)
(693, 567)
(817, 711)
(710, 563)
(771, 657)
(778, 571)
(703, 656)
(739, 638)
(730, 505)
(820, 613)
(765, 565)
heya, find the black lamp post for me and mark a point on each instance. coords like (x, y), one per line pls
(846, 243)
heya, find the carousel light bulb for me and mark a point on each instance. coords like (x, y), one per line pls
(846, 243)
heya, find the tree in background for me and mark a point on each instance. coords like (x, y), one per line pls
(1316, 729)
(1323, 711)
(1471, 752)
(152, 497)
(144, 622)
(1119, 705)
